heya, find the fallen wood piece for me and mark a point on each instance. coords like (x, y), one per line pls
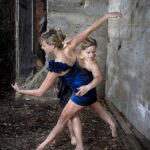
(132, 139)
(141, 138)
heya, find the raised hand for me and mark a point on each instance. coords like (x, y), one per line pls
(114, 15)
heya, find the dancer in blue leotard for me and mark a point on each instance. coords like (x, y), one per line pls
(65, 65)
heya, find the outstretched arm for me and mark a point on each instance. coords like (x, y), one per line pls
(97, 78)
(49, 80)
(80, 37)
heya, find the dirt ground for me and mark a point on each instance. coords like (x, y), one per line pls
(25, 124)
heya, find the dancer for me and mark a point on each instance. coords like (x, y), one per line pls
(88, 61)
(66, 65)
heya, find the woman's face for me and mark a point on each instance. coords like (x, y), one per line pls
(89, 53)
(46, 47)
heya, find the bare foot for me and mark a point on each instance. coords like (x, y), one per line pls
(73, 140)
(41, 147)
(114, 131)
(79, 148)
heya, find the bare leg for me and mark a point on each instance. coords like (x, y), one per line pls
(77, 128)
(69, 110)
(100, 110)
(72, 136)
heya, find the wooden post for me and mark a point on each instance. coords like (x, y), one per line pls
(25, 39)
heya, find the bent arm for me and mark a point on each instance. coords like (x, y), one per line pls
(97, 78)
(47, 83)
(80, 37)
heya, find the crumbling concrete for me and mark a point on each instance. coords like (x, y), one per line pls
(128, 61)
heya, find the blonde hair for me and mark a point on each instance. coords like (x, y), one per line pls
(89, 41)
(53, 37)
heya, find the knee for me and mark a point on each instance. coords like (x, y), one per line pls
(75, 118)
(63, 119)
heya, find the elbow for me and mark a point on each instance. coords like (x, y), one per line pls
(100, 79)
(39, 93)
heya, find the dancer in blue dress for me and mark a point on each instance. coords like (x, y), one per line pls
(65, 65)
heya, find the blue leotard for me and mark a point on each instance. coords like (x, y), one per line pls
(76, 77)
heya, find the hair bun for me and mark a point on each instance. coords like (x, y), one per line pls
(54, 37)
(52, 31)
(60, 35)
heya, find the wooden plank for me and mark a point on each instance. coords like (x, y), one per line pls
(142, 139)
(128, 132)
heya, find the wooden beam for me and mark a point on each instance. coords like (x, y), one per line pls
(141, 138)
(132, 139)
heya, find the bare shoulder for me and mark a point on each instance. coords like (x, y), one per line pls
(93, 66)
(69, 46)
(66, 57)
(89, 65)
(92, 63)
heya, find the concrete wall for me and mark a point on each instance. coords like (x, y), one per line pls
(128, 62)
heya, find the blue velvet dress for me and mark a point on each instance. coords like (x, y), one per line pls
(76, 77)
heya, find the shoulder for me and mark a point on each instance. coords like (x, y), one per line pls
(93, 65)
(57, 67)
(93, 62)
(69, 46)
